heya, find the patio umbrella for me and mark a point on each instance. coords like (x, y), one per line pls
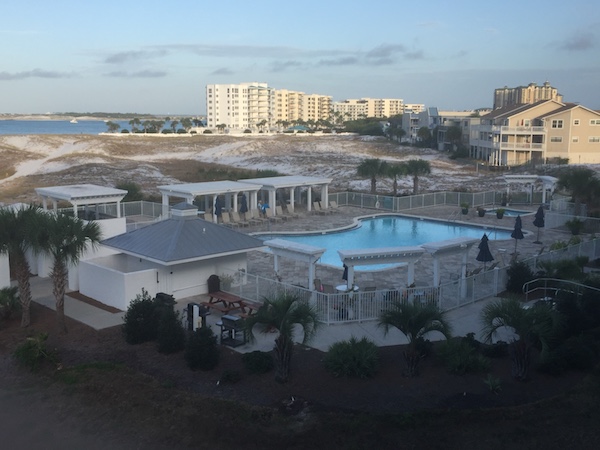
(539, 222)
(345, 274)
(218, 206)
(244, 204)
(517, 233)
(484, 255)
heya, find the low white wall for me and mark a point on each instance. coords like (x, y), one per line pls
(112, 287)
(4, 271)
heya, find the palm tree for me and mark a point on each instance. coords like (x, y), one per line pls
(20, 234)
(282, 313)
(174, 124)
(533, 326)
(394, 171)
(186, 123)
(221, 127)
(417, 168)
(582, 183)
(372, 168)
(414, 320)
(66, 240)
(134, 124)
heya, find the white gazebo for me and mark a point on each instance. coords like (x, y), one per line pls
(272, 184)
(82, 195)
(298, 252)
(548, 183)
(388, 255)
(210, 191)
(460, 245)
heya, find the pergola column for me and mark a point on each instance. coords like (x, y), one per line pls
(165, 204)
(292, 201)
(309, 199)
(325, 195)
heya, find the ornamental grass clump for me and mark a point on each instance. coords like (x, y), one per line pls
(353, 358)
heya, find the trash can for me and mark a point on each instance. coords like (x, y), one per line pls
(196, 313)
(165, 300)
(214, 284)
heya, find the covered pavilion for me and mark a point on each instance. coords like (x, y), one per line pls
(295, 251)
(293, 183)
(387, 255)
(82, 195)
(548, 183)
(210, 191)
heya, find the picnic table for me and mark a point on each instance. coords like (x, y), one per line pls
(226, 302)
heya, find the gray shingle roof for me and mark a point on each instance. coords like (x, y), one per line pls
(179, 240)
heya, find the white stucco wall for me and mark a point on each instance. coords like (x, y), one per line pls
(4, 271)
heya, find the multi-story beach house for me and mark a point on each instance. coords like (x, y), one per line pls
(537, 133)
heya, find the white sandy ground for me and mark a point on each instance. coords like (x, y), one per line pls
(323, 156)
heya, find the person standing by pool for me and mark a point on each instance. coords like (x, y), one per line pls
(263, 208)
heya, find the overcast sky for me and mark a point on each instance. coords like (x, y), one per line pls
(158, 56)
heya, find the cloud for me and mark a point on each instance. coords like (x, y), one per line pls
(385, 51)
(223, 71)
(124, 57)
(138, 74)
(35, 73)
(578, 41)
(280, 66)
(343, 61)
(414, 55)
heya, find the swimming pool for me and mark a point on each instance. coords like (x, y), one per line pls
(386, 231)
(509, 212)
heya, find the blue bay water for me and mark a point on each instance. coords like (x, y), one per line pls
(24, 127)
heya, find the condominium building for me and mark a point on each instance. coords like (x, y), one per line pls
(256, 106)
(414, 107)
(354, 109)
(521, 95)
(239, 106)
(538, 132)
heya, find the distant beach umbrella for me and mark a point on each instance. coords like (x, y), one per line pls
(244, 205)
(517, 233)
(484, 255)
(539, 222)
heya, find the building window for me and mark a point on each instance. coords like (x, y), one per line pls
(557, 123)
(594, 139)
(575, 139)
(594, 121)
(576, 122)
(556, 139)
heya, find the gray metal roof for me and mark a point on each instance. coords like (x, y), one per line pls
(207, 188)
(179, 240)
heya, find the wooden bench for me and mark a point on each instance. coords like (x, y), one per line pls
(249, 308)
(224, 302)
(219, 307)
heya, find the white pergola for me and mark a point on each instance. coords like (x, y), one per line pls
(297, 252)
(460, 245)
(388, 255)
(272, 184)
(548, 183)
(81, 195)
(210, 190)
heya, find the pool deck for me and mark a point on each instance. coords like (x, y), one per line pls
(261, 263)
(463, 320)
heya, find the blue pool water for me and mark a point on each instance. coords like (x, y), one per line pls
(387, 231)
(509, 212)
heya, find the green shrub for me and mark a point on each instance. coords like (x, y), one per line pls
(9, 302)
(496, 350)
(230, 376)
(33, 352)
(518, 273)
(201, 350)
(353, 358)
(461, 357)
(258, 362)
(141, 320)
(207, 132)
(171, 334)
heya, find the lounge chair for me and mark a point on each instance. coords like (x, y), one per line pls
(280, 213)
(317, 209)
(493, 266)
(328, 289)
(290, 211)
(237, 219)
(257, 218)
(208, 217)
(327, 210)
(227, 220)
(272, 217)
(333, 205)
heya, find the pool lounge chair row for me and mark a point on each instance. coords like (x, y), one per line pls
(253, 217)
(318, 209)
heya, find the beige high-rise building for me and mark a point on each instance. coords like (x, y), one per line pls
(256, 106)
(523, 95)
(354, 109)
(239, 106)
